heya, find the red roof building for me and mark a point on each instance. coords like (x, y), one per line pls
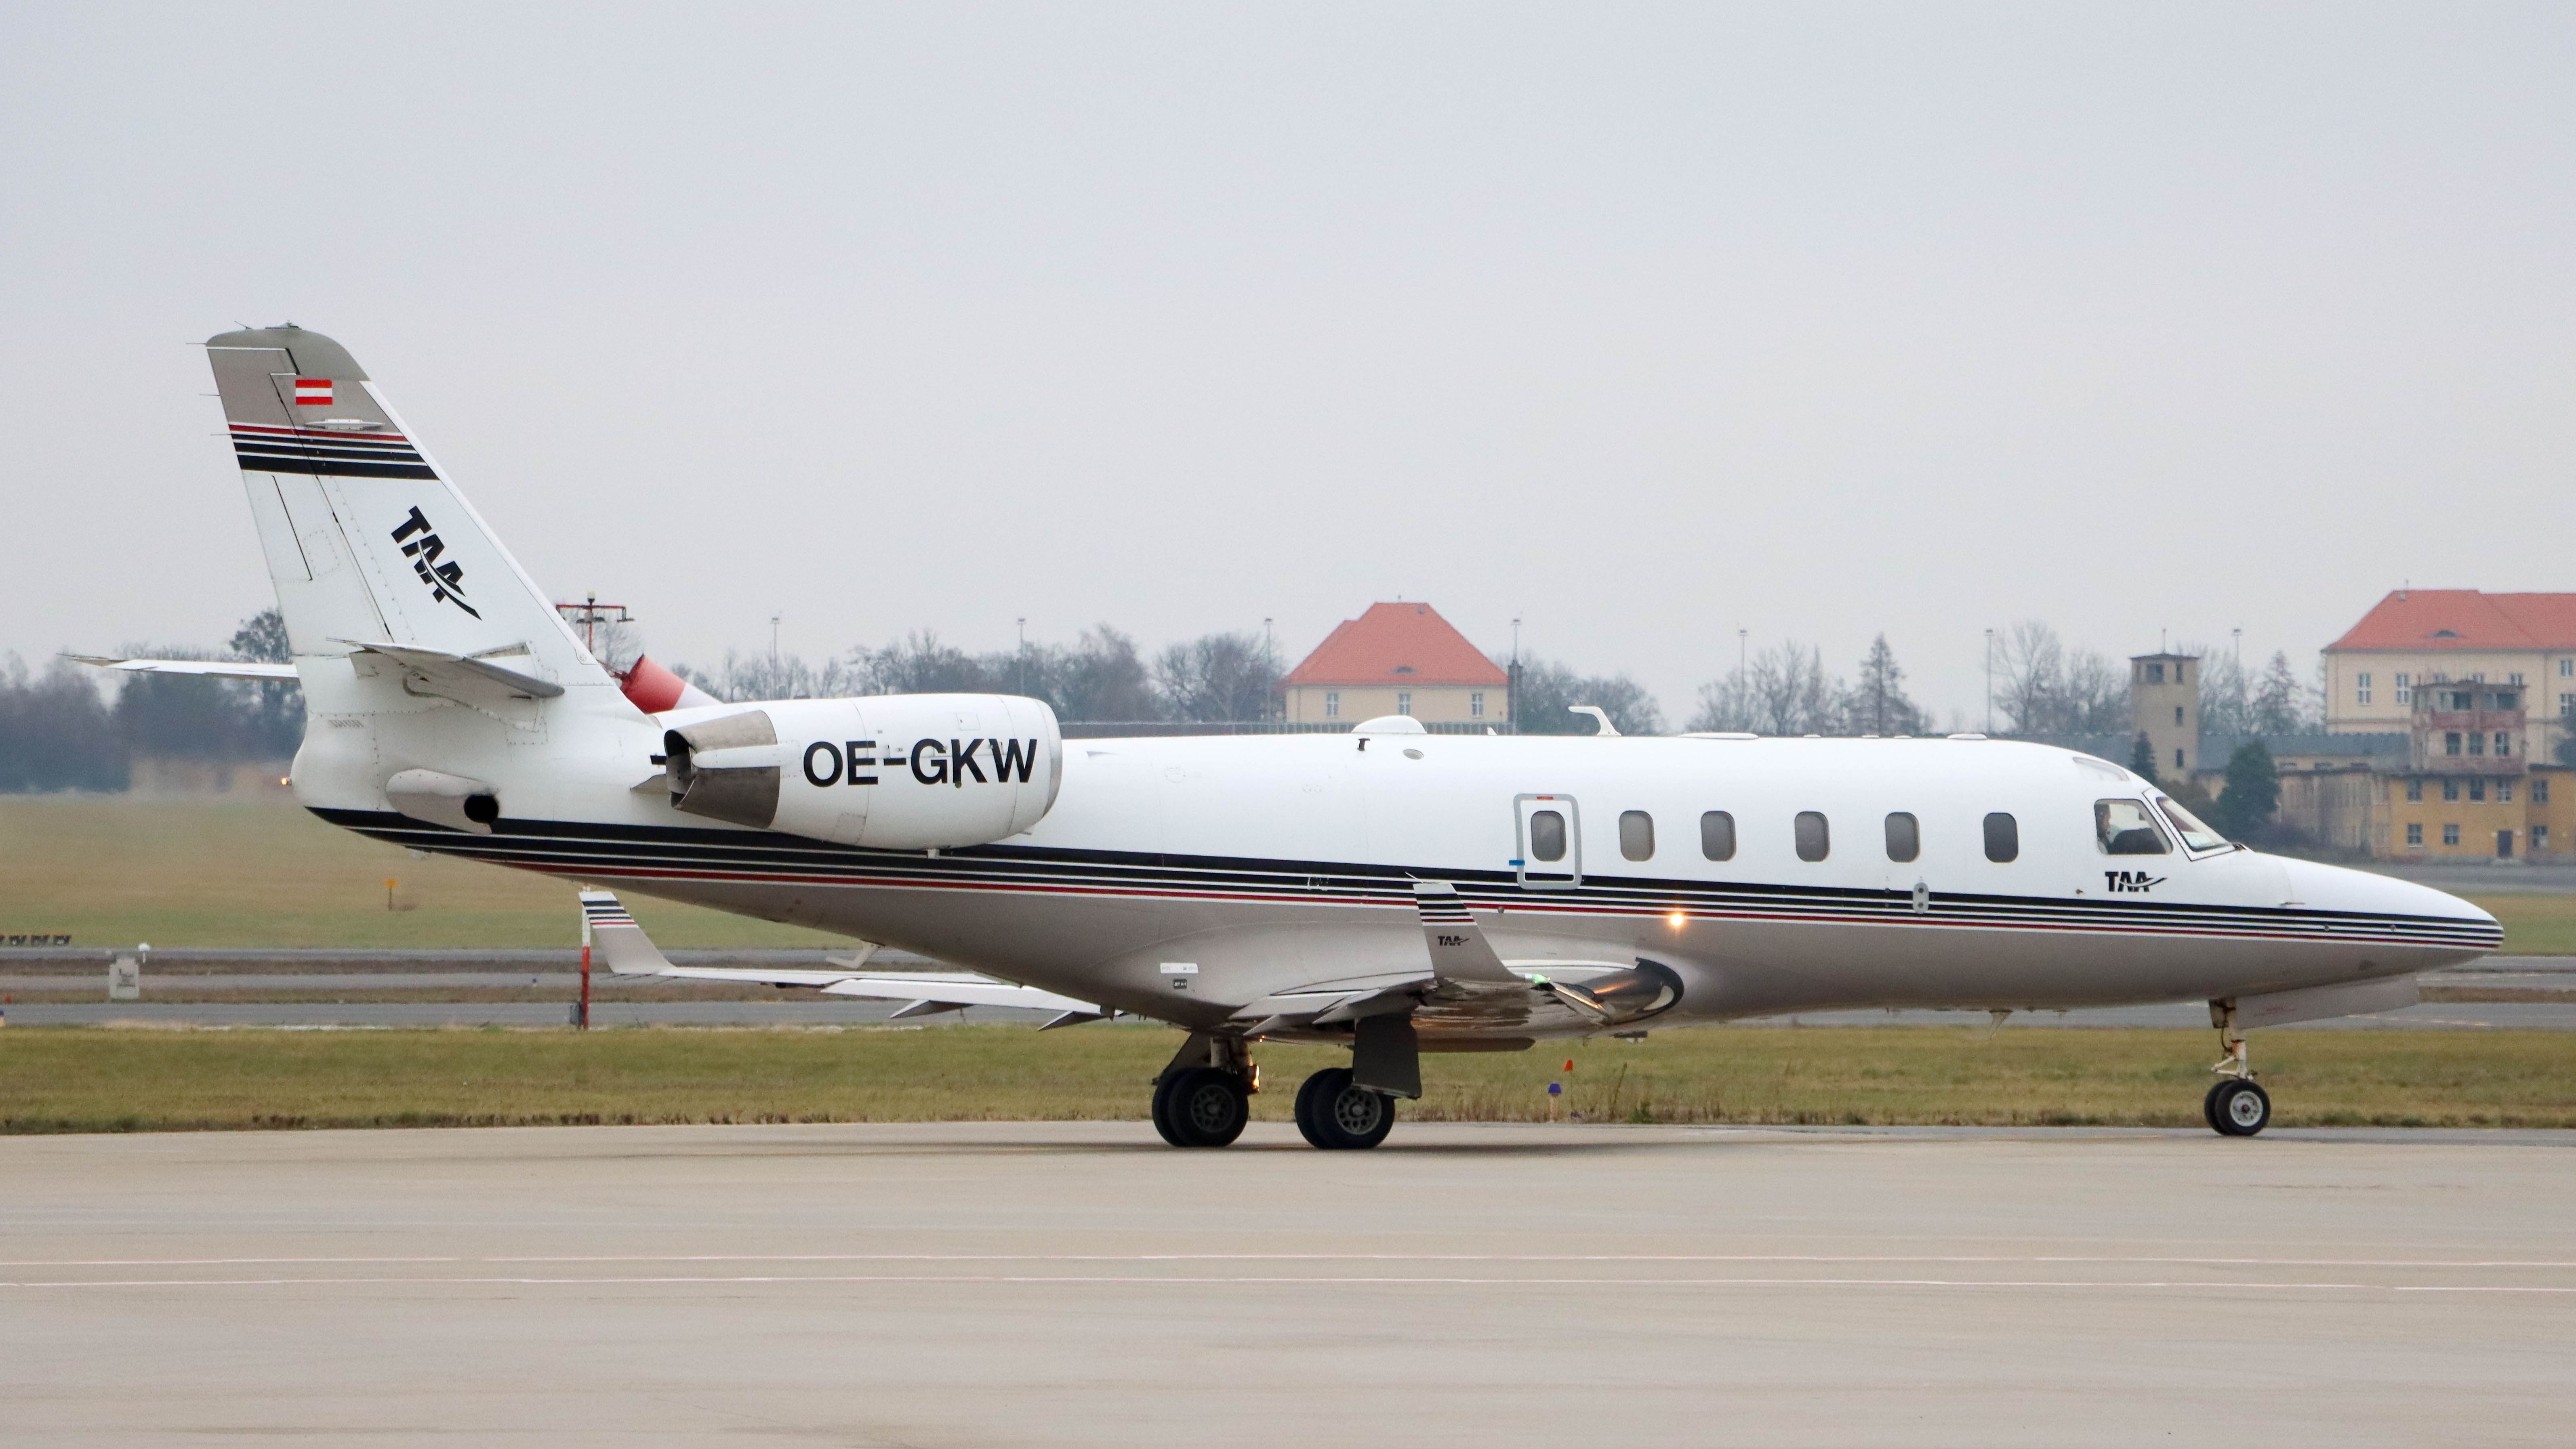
(1397, 659)
(2520, 647)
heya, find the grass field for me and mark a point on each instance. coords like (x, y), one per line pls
(87, 1080)
(214, 872)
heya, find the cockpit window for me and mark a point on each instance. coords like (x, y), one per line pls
(2125, 828)
(2195, 836)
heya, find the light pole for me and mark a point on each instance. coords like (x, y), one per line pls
(1020, 662)
(1269, 673)
(1512, 680)
(1990, 681)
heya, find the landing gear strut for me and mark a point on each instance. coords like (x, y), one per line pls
(1204, 1098)
(1337, 1115)
(2237, 1106)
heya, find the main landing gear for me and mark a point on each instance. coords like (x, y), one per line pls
(1336, 1115)
(1204, 1097)
(2236, 1106)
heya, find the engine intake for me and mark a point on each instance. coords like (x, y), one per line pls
(896, 772)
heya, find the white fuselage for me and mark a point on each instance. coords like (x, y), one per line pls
(1274, 863)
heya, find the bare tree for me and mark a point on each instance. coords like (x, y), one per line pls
(1215, 677)
(1542, 703)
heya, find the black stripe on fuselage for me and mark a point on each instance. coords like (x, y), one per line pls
(642, 852)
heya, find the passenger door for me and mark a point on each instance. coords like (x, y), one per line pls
(1547, 842)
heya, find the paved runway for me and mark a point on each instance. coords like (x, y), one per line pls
(1022, 1284)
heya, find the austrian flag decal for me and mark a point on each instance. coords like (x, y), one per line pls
(313, 392)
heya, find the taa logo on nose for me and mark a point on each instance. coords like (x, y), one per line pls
(2137, 881)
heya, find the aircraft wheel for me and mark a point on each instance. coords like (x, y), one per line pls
(1201, 1107)
(2238, 1108)
(1336, 1116)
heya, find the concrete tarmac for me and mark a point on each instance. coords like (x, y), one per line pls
(1079, 1284)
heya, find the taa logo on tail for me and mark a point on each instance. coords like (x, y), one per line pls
(446, 581)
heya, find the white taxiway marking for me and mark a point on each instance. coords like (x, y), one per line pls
(1203, 1280)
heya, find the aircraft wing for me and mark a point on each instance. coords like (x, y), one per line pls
(629, 952)
(213, 668)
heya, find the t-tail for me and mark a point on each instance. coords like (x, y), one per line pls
(432, 665)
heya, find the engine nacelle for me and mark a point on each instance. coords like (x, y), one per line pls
(893, 772)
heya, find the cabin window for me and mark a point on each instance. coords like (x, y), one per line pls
(2003, 838)
(1813, 842)
(2125, 828)
(1717, 835)
(1904, 837)
(1636, 835)
(1547, 835)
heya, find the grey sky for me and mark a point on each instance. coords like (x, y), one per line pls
(1646, 323)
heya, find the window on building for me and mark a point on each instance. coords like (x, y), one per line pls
(2503, 744)
(2540, 837)
(2477, 789)
(2504, 699)
(2567, 668)
(2405, 690)
(2415, 790)
(2124, 828)
(2477, 742)
(1476, 705)
(2415, 834)
(2177, 714)
(2450, 835)
(1813, 841)
(2361, 689)
(2514, 678)
(1404, 701)
(2504, 792)
(1332, 704)
(2567, 706)
(2478, 678)
(2451, 743)
(1546, 835)
(1904, 837)
(2450, 789)
(2540, 791)
(1636, 835)
(1717, 835)
(2464, 699)
(2177, 757)
(2155, 674)
(2003, 838)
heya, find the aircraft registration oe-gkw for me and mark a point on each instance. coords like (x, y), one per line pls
(1390, 890)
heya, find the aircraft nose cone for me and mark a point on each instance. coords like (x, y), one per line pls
(2339, 888)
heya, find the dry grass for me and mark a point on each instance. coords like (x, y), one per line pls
(214, 872)
(82, 1080)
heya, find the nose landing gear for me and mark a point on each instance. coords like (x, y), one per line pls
(2237, 1106)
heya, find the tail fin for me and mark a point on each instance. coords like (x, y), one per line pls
(367, 540)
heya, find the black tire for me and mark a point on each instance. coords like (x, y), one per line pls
(1201, 1107)
(2239, 1108)
(2209, 1102)
(1338, 1117)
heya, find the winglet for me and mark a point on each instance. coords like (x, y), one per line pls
(621, 942)
(1459, 951)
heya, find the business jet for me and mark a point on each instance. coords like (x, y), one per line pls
(1389, 890)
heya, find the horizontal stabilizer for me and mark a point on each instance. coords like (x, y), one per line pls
(212, 668)
(436, 668)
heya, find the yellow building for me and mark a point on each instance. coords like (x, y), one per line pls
(2510, 651)
(2431, 815)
